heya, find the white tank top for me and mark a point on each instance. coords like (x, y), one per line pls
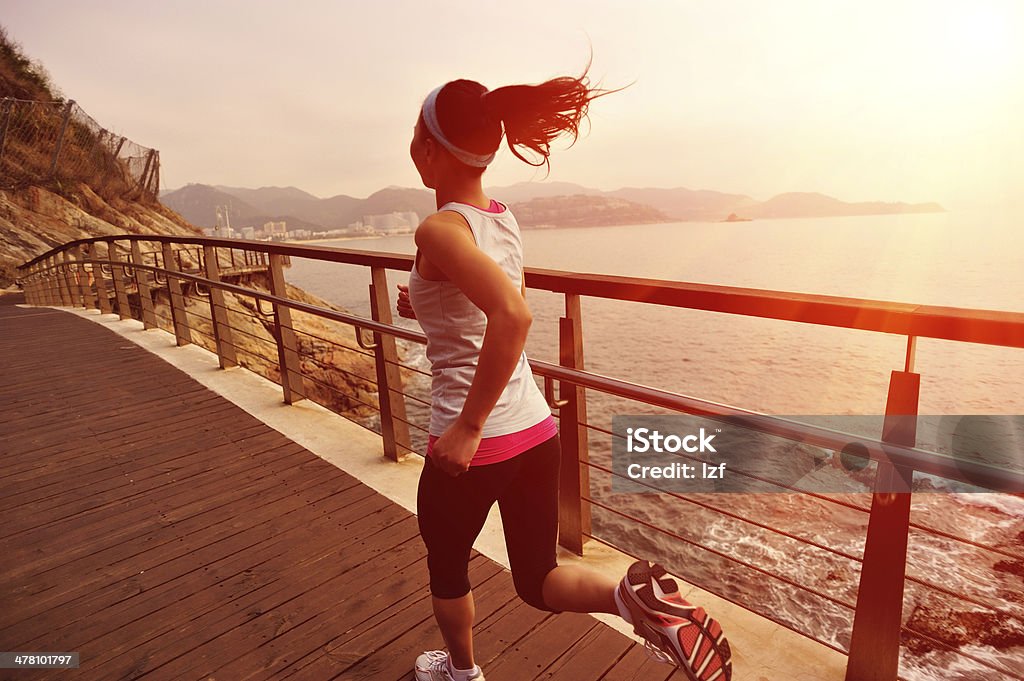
(454, 327)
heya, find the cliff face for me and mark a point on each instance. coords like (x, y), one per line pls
(34, 219)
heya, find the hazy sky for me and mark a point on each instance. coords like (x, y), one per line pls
(862, 100)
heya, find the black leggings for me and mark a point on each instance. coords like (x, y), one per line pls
(452, 511)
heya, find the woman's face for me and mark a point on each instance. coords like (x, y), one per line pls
(424, 153)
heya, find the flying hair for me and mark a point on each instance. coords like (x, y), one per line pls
(531, 116)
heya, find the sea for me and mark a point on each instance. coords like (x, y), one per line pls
(969, 545)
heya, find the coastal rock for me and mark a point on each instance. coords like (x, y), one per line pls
(961, 627)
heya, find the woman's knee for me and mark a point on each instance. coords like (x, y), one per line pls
(449, 583)
(530, 587)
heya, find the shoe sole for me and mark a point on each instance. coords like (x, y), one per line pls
(644, 602)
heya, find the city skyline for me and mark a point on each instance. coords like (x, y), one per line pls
(903, 101)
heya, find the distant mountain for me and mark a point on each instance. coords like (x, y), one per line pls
(524, 191)
(198, 203)
(397, 199)
(537, 201)
(812, 205)
(687, 204)
(271, 199)
(582, 210)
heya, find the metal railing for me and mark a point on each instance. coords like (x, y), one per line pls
(62, 277)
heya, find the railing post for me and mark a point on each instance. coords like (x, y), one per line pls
(37, 295)
(88, 275)
(393, 420)
(64, 297)
(142, 280)
(85, 286)
(219, 311)
(287, 345)
(48, 294)
(117, 274)
(875, 642)
(574, 477)
(182, 334)
(37, 290)
(60, 138)
(101, 281)
(31, 284)
(71, 275)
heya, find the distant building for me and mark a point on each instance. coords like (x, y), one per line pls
(411, 218)
(249, 233)
(275, 229)
(392, 223)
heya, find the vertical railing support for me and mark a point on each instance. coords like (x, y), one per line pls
(574, 477)
(143, 278)
(393, 420)
(39, 289)
(83, 252)
(63, 288)
(71, 275)
(875, 642)
(219, 311)
(182, 334)
(31, 284)
(101, 281)
(287, 345)
(60, 138)
(117, 274)
(48, 288)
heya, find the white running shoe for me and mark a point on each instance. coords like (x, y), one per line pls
(433, 666)
(674, 631)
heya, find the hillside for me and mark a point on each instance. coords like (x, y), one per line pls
(39, 210)
(252, 207)
(584, 210)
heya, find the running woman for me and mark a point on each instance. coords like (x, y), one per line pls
(492, 437)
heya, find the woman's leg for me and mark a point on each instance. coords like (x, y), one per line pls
(572, 588)
(455, 620)
(529, 514)
(451, 512)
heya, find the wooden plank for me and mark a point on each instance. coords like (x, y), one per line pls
(637, 665)
(541, 646)
(172, 583)
(590, 657)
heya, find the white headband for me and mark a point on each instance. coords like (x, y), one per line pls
(430, 118)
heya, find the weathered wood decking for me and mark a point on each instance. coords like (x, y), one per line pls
(164, 533)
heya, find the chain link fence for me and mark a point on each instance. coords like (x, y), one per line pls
(43, 142)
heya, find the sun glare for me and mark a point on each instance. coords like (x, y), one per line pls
(974, 41)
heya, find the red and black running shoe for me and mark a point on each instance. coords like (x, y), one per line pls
(675, 631)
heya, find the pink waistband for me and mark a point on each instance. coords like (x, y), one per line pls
(503, 447)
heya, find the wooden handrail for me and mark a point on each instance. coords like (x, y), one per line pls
(968, 325)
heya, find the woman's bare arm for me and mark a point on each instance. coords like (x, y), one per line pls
(447, 243)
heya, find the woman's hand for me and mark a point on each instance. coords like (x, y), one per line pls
(404, 304)
(453, 451)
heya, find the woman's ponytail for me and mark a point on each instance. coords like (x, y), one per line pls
(470, 118)
(535, 115)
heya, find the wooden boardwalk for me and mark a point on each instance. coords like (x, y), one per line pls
(164, 533)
